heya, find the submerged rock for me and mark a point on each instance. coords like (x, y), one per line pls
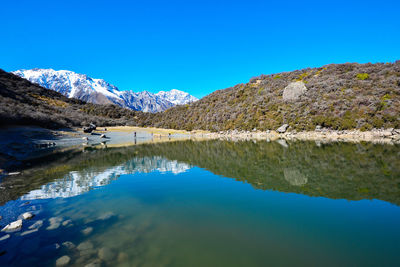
(14, 226)
(85, 245)
(63, 261)
(4, 237)
(68, 245)
(36, 225)
(87, 231)
(66, 222)
(106, 254)
(29, 232)
(54, 223)
(106, 216)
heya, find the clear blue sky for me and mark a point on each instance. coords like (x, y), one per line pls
(196, 46)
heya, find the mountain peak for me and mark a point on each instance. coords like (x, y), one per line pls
(98, 91)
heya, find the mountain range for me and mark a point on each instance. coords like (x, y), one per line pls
(98, 91)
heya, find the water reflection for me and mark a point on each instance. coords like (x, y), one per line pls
(338, 170)
(208, 203)
(78, 182)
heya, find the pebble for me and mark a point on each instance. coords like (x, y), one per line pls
(106, 254)
(64, 260)
(4, 237)
(13, 226)
(36, 225)
(87, 231)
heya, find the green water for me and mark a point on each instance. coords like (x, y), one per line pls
(209, 203)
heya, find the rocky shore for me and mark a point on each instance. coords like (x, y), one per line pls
(380, 136)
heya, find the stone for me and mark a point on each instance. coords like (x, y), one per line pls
(106, 254)
(14, 226)
(54, 223)
(63, 261)
(36, 225)
(68, 245)
(27, 216)
(106, 216)
(318, 128)
(95, 263)
(122, 257)
(66, 222)
(85, 245)
(283, 128)
(293, 91)
(87, 231)
(29, 232)
(4, 237)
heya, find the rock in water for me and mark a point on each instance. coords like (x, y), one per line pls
(283, 128)
(294, 90)
(4, 237)
(68, 245)
(13, 226)
(54, 223)
(63, 261)
(87, 231)
(36, 225)
(27, 216)
(106, 254)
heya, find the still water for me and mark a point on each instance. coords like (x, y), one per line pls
(208, 203)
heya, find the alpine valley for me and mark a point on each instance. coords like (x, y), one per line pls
(98, 91)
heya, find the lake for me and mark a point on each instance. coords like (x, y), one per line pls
(207, 203)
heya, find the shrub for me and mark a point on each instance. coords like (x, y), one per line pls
(362, 76)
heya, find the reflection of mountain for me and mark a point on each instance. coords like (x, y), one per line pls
(78, 182)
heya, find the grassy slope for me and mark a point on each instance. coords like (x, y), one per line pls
(343, 96)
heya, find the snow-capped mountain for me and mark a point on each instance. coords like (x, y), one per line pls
(177, 97)
(98, 91)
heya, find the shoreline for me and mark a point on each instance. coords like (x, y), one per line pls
(387, 136)
(24, 144)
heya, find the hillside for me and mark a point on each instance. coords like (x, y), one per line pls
(337, 96)
(25, 103)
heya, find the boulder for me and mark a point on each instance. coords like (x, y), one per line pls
(293, 91)
(13, 226)
(283, 128)
(36, 225)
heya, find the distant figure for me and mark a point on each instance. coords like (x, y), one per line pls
(135, 134)
(105, 129)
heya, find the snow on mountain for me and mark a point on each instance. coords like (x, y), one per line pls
(177, 97)
(98, 91)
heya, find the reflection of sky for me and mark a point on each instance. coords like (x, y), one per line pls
(76, 183)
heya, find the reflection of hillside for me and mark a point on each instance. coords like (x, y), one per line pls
(78, 182)
(348, 171)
